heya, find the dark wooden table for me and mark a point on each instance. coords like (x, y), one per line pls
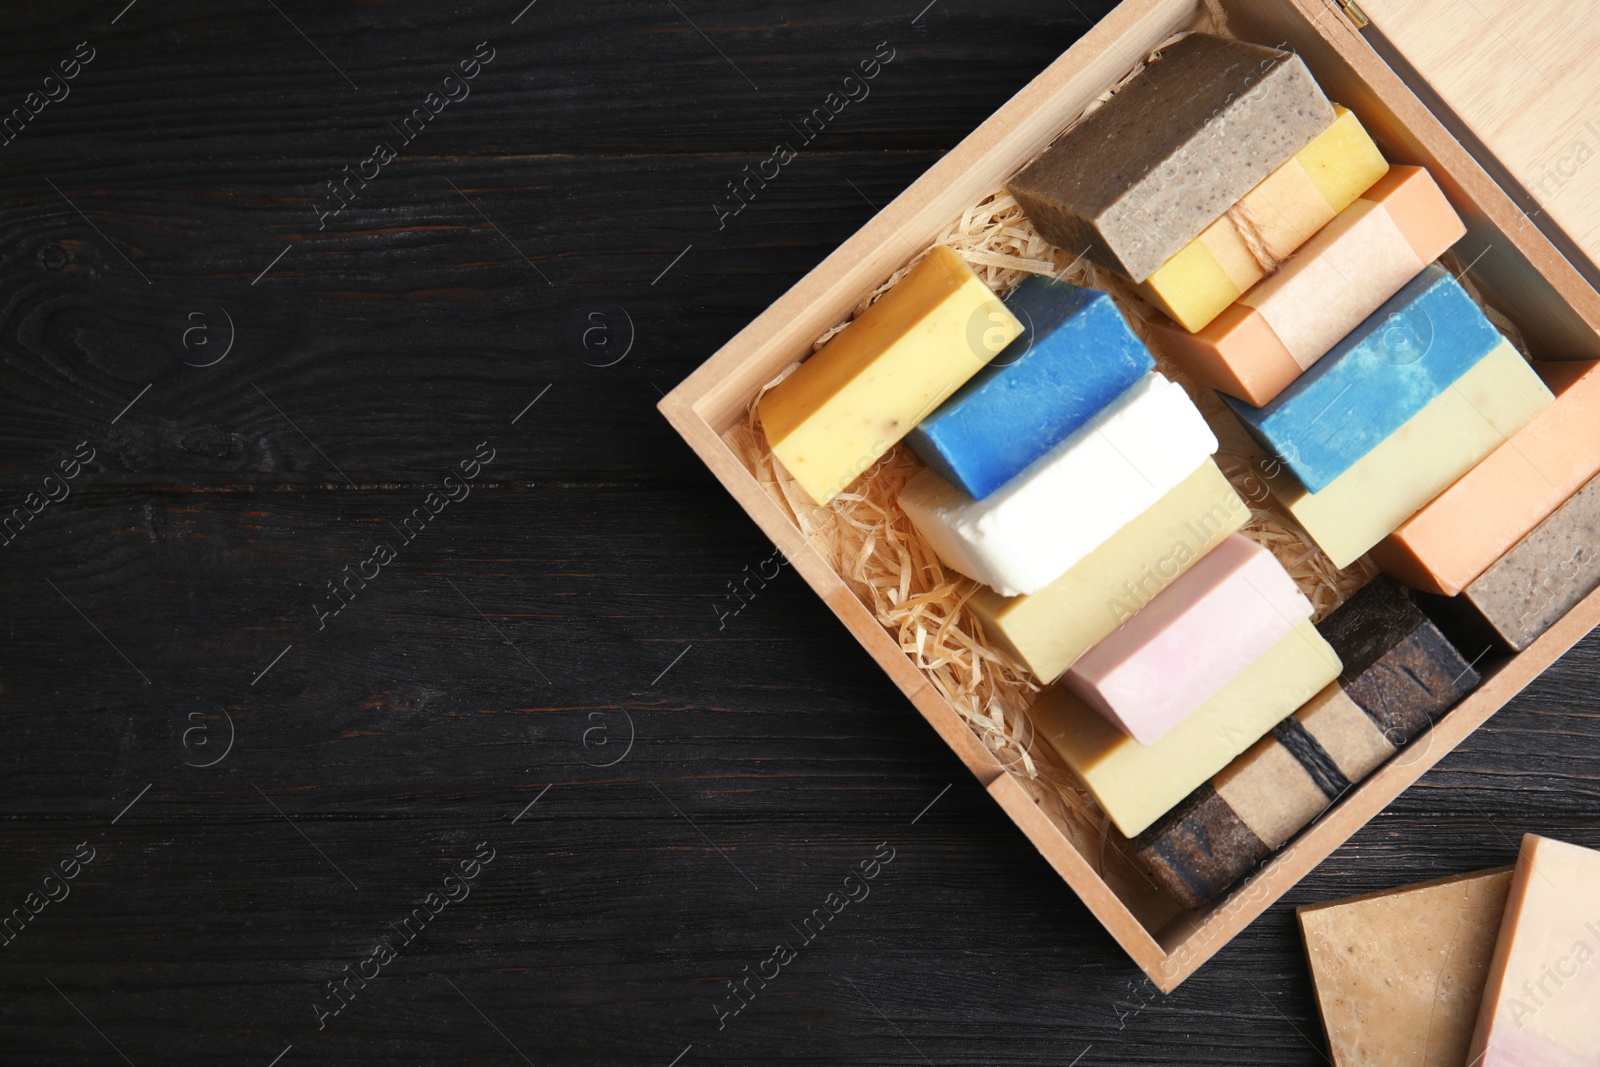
(271, 779)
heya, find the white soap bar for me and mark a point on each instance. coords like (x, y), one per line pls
(1072, 499)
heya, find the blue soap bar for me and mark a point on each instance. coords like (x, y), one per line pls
(1404, 355)
(1075, 355)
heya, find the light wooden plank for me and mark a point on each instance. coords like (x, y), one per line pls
(1525, 79)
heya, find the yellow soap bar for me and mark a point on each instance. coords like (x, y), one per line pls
(1047, 631)
(1137, 784)
(872, 383)
(1420, 460)
(1279, 215)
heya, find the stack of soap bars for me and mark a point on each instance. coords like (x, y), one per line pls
(1292, 268)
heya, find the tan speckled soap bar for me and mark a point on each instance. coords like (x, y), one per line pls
(1399, 974)
(1144, 174)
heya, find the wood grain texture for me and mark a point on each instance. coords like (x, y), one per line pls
(1525, 86)
(767, 762)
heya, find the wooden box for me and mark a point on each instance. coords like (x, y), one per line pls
(1517, 267)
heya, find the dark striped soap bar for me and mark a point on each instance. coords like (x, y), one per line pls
(1400, 676)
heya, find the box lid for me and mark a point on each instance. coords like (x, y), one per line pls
(1520, 88)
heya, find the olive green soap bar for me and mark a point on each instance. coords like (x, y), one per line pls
(1146, 172)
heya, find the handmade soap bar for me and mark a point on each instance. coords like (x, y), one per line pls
(1398, 666)
(1136, 784)
(853, 400)
(1400, 675)
(1191, 640)
(1075, 355)
(1047, 631)
(1417, 462)
(1403, 355)
(1531, 587)
(1444, 547)
(1264, 228)
(1266, 340)
(1074, 497)
(1142, 175)
(1541, 1002)
(1399, 974)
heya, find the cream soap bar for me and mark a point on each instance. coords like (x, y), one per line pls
(1267, 225)
(1137, 784)
(1541, 1003)
(1399, 974)
(1048, 630)
(1191, 640)
(868, 387)
(1143, 174)
(1276, 331)
(1073, 498)
(1447, 438)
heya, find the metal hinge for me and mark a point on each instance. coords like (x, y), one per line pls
(1354, 13)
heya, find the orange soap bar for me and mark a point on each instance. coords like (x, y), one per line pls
(1366, 255)
(1447, 545)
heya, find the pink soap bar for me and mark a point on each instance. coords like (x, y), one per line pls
(1190, 640)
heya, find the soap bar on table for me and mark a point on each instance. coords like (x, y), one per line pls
(1400, 675)
(1136, 784)
(1191, 640)
(1437, 445)
(1444, 547)
(1530, 588)
(1047, 631)
(1265, 227)
(1074, 497)
(1142, 175)
(1541, 1003)
(1256, 347)
(867, 387)
(1075, 355)
(1399, 974)
(1403, 355)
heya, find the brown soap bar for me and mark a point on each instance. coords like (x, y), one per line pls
(1398, 666)
(1533, 585)
(1142, 175)
(1400, 675)
(1399, 974)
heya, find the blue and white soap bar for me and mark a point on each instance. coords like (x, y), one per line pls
(1072, 499)
(1389, 368)
(1075, 356)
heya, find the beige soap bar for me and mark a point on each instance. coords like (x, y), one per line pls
(867, 388)
(1399, 974)
(1541, 1003)
(1137, 784)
